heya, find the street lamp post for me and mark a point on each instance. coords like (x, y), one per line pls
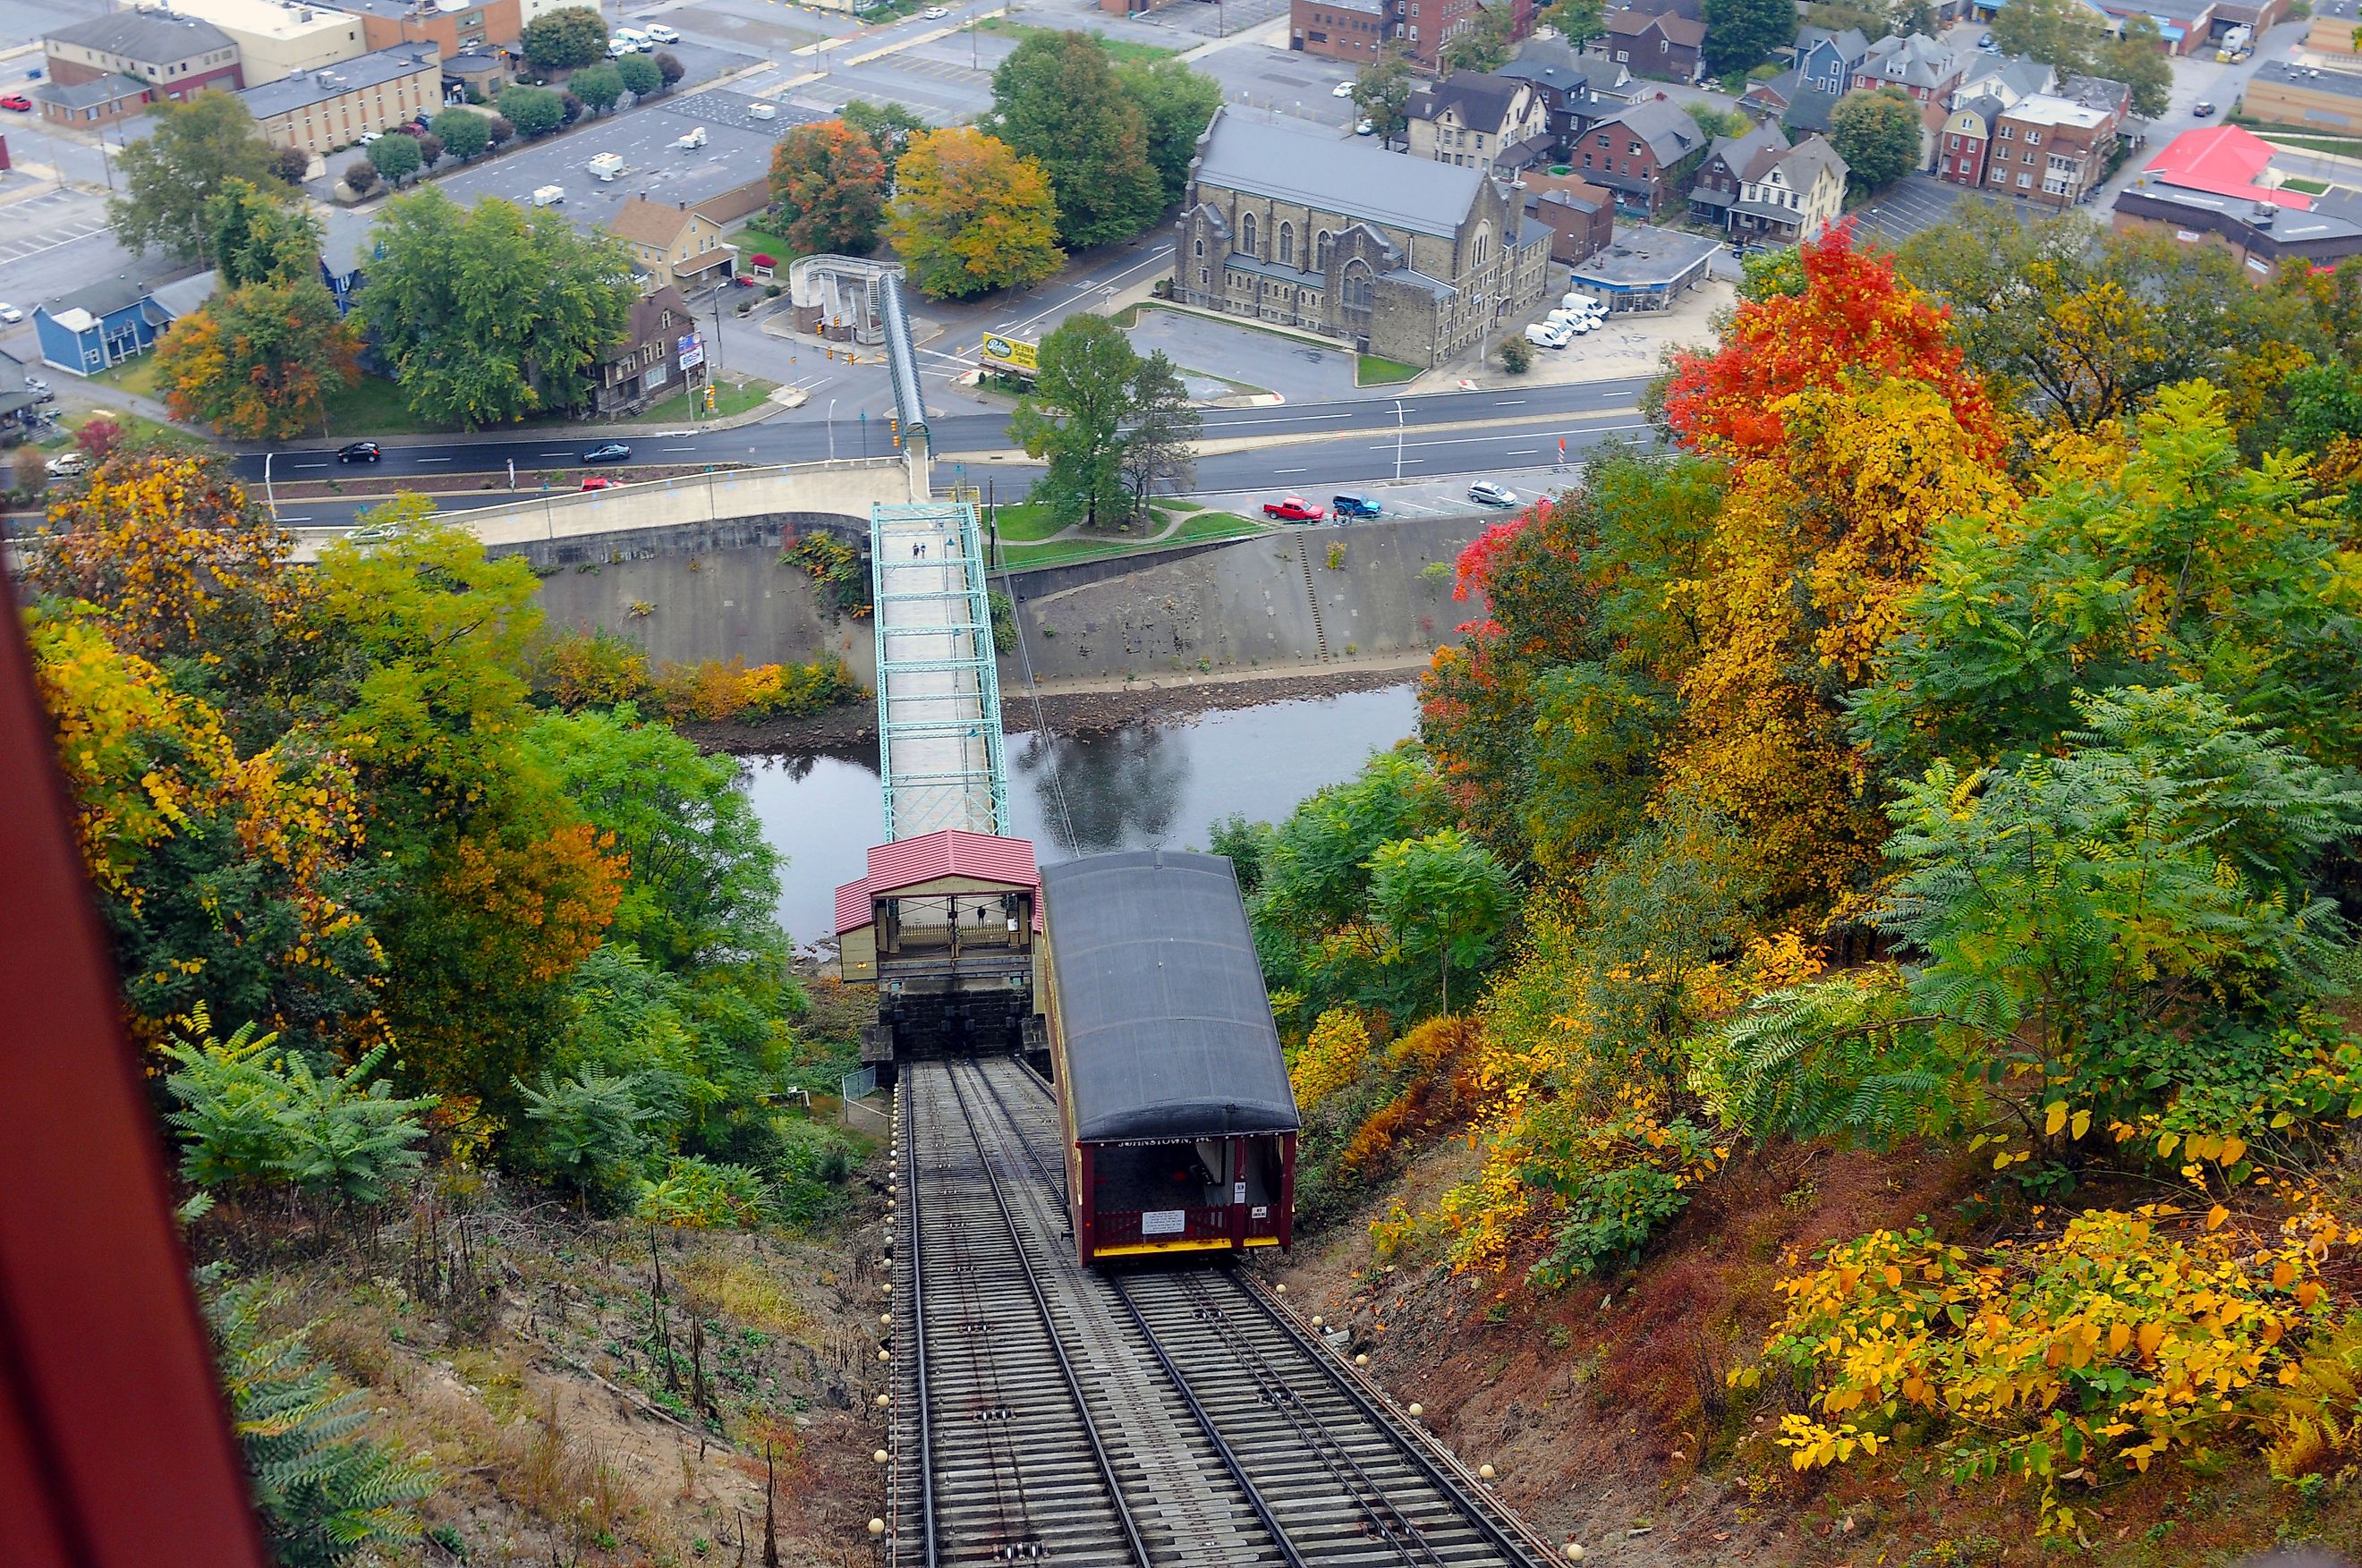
(832, 430)
(270, 496)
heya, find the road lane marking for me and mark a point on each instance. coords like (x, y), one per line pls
(434, 459)
(310, 465)
(1279, 471)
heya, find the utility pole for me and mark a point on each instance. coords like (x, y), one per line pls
(1398, 441)
(717, 336)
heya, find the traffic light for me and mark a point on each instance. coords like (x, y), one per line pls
(894, 429)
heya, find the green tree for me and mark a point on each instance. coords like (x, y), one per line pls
(395, 158)
(1483, 41)
(1178, 103)
(1381, 92)
(534, 111)
(828, 186)
(1055, 99)
(584, 1133)
(669, 67)
(1746, 31)
(705, 889)
(1517, 355)
(970, 216)
(1443, 899)
(889, 127)
(2136, 58)
(291, 164)
(465, 134)
(1878, 136)
(1074, 417)
(641, 78)
(255, 236)
(361, 176)
(169, 174)
(1159, 444)
(600, 87)
(1717, 122)
(565, 38)
(2063, 33)
(491, 312)
(1577, 21)
(324, 1497)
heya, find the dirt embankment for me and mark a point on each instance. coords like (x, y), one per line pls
(1074, 709)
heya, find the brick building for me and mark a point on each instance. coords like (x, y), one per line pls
(1645, 154)
(1407, 257)
(1356, 29)
(492, 24)
(1580, 217)
(322, 111)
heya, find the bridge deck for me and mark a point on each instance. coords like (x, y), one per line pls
(938, 689)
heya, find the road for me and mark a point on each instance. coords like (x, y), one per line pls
(1300, 448)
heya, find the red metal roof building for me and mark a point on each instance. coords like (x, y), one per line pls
(2222, 161)
(946, 926)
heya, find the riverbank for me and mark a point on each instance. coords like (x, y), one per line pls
(1078, 707)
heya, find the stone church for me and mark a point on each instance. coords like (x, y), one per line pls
(1405, 257)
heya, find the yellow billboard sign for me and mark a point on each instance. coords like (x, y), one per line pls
(1011, 354)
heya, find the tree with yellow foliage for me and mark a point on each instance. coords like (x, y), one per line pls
(970, 216)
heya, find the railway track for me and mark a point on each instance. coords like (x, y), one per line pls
(1154, 1417)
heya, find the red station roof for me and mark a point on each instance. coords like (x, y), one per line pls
(2222, 161)
(952, 852)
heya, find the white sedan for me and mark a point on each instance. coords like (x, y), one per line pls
(936, 13)
(11, 314)
(1484, 492)
(1343, 89)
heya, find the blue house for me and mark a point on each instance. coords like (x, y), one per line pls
(107, 323)
(1825, 61)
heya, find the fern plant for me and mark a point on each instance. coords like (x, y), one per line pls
(323, 1494)
(2315, 1424)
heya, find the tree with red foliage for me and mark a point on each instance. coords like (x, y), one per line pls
(828, 185)
(1854, 319)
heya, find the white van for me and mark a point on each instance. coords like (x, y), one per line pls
(1549, 334)
(632, 36)
(1587, 304)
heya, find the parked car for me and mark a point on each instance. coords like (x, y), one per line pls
(1343, 89)
(1549, 334)
(2203, 109)
(936, 13)
(1292, 509)
(1365, 128)
(359, 451)
(369, 137)
(608, 452)
(17, 102)
(618, 48)
(1484, 492)
(69, 465)
(597, 482)
(1986, 42)
(11, 314)
(658, 33)
(1351, 503)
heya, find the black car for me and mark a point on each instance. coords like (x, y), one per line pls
(2201, 109)
(608, 452)
(359, 451)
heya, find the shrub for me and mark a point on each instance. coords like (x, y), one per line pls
(583, 1134)
(252, 1114)
(590, 669)
(360, 176)
(1517, 355)
(714, 691)
(696, 1195)
(2118, 1339)
(1332, 1056)
(836, 566)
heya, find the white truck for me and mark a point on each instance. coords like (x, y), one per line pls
(695, 138)
(607, 165)
(549, 197)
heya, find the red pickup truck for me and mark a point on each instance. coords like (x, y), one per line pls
(1295, 509)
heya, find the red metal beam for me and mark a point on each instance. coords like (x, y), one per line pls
(114, 1449)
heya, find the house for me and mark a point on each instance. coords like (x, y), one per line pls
(19, 404)
(1575, 89)
(645, 368)
(1351, 30)
(1646, 268)
(1579, 215)
(2007, 79)
(322, 111)
(1287, 222)
(454, 27)
(2305, 95)
(1924, 70)
(1985, 99)
(1645, 154)
(276, 40)
(674, 244)
(347, 245)
(1825, 61)
(1800, 109)
(1475, 120)
(112, 66)
(1761, 190)
(1670, 47)
(106, 323)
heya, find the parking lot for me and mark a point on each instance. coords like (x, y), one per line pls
(1300, 372)
(1915, 203)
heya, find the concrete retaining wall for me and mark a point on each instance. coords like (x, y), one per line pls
(1270, 600)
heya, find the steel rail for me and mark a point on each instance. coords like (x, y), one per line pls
(1050, 1325)
(919, 1332)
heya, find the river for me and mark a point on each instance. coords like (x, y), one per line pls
(1142, 786)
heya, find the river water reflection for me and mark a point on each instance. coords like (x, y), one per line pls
(1144, 786)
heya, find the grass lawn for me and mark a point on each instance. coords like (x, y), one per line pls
(138, 430)
(2343, 147)
(135, 376)
(1374, 371)
(1025, 523)
(730, 398)
(374, 406)
(2310, 187)
(1121, 51)
(1194, 527)
(753, 242)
